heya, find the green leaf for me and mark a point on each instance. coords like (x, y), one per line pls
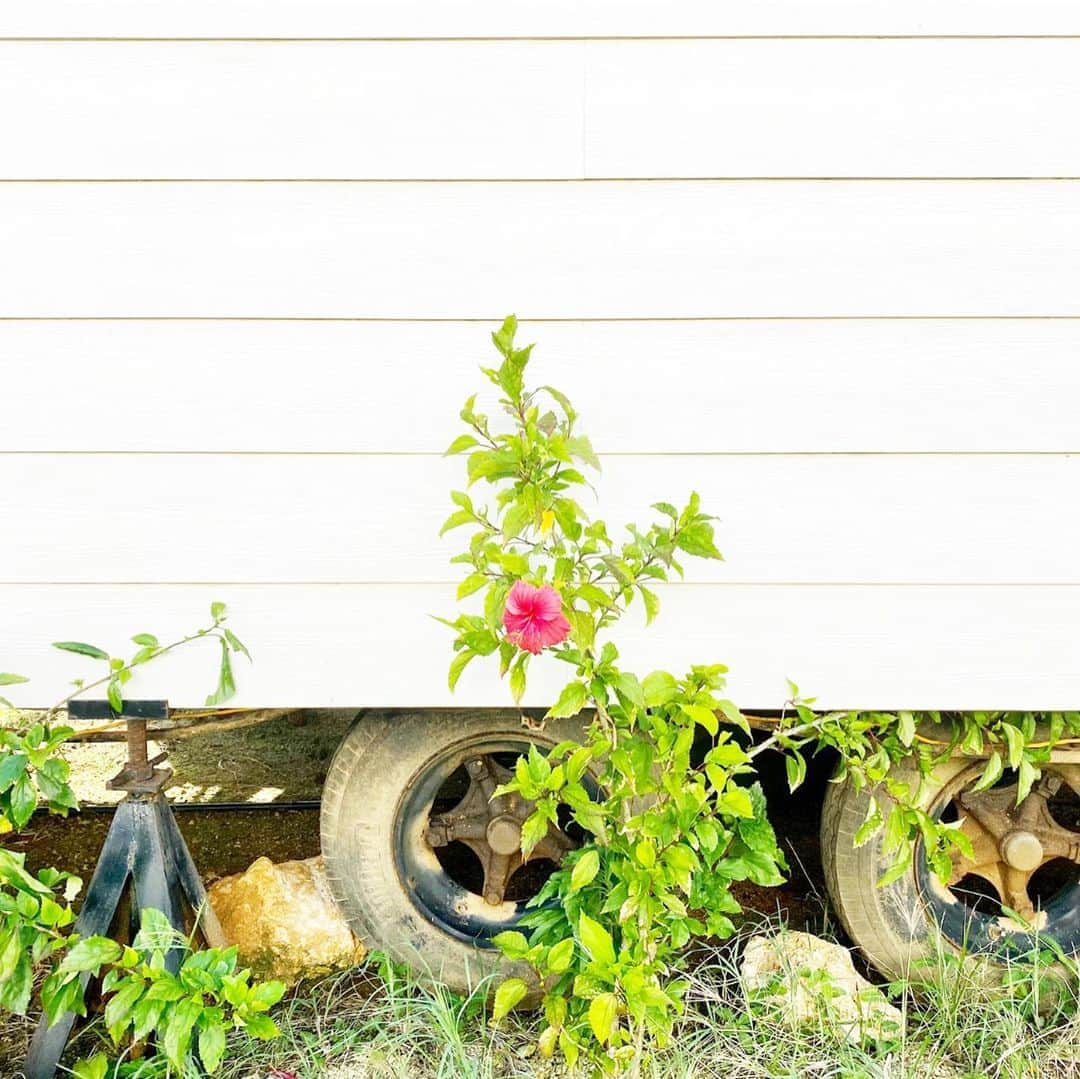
(95, 1067)
(795, 766)
(570, 702)
(703, 716)
(582, 449)
(11, 679)
(1014, 739)
(81, 649)
(473, 583)
(652, 603)
(211, 1045)
(15, 990)
(504, 336)
(118, 1010)
(91, 953)
(585, 869)
(147, 640)
(736, 802)
(596, 940)
(659, 688)
(697, 539)
(11, 767)
(511, 943)
(236, 644)
(628, 685)
(991, 773)
(510, 993)
(23, 800)
(517, 518)
(178, 1029)
(456, 520)
(460, 444)
(906, 728)
(116, 698)
(517, 681)
(261, 1026)
(603, 1010)
(561, 956)
(1027, 773)
(217, 610)
(226, 686)
(457, 665)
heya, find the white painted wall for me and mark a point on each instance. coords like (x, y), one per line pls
(250, 254)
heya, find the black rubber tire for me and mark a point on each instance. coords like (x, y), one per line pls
(892, 926)
(374, 765)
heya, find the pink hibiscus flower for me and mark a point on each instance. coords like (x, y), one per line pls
(533, 618)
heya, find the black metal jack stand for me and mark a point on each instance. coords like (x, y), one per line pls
(144, 864)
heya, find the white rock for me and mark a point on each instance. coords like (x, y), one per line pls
(808, 980)
(284, 921)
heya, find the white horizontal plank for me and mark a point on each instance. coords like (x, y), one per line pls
(833, 108)
(490, 18)
(374, 645)
(426, 110)
(279, 518)
(226, 109)
(564, 250)
(755, 386)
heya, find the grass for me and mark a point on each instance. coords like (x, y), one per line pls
(357, 1026)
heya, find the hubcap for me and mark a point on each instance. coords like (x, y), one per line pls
(1028, 855)
(490, 826)
(458, 848)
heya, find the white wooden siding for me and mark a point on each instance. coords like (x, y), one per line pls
(244, 285)
(553, 250)
(532, 18)
(376, 644)
(833, 518)
(729, 386)
(540, 109)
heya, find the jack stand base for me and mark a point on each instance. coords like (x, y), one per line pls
(145, 860)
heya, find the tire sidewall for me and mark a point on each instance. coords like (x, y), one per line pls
(373, 766)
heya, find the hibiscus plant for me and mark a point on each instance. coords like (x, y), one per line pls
(662, 781)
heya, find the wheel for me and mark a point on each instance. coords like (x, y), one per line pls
(1027, 858)
(423, 861)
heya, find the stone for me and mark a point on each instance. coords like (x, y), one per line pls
(803, 980)
(284, 921)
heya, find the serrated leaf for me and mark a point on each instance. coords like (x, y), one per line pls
(570, 702)
(211, 1045)
(652, 603)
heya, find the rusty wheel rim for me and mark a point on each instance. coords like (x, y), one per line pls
(1027, 859)
(457, 848)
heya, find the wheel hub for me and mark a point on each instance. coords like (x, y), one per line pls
(1023, 851)
(1012, 843)
(504, 835)
(491, 825)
